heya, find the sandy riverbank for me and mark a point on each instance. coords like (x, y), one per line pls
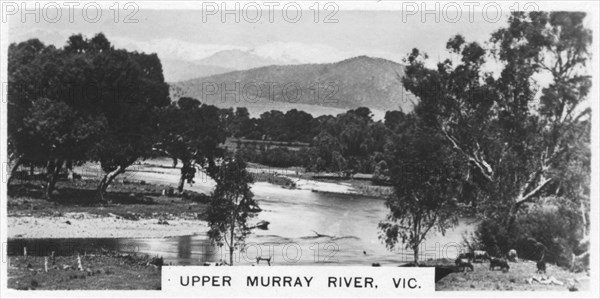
(85, 225)
(314, 185)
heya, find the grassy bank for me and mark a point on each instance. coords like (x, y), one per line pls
(100, 272)
(518, 278)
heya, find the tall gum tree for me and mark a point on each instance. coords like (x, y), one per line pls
(515, 136)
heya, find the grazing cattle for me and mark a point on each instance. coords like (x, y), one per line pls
(501, 263)
(220, 263)
(463, 264)
(512, 256)
(479, 256)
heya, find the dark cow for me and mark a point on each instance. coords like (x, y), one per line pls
(260, 258)
(541, 264)
(499, 263)
(541, 267)
(480, 256)
(465, 255)
(463, 264)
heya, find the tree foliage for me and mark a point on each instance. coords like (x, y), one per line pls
(522, 128)
(191, 132)
(231, 204)
(100, 104)
(425, 174)
(513, 138)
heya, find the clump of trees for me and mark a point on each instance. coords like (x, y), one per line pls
(523, 145)
(84, 102)
(348, 143)
(90, 102)
(291, 126)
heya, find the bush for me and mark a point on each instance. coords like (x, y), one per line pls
(553, 227)
(157, 261)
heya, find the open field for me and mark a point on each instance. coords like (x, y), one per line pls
(100, 272)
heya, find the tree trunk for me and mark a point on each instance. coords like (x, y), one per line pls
(69, 167)
(184, 171)
(54, 168)
(511, 218)
(109, 177)
(107, 180)
(13, 171)
(181, 182)
(416, 255)
(174, 162)
(231, 239)
(416, 240)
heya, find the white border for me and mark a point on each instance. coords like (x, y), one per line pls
(591, 7)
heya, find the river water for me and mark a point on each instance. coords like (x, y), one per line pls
(346, 226)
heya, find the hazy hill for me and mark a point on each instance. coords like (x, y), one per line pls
(348, 84)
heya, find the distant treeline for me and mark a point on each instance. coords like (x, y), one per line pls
(351, 142)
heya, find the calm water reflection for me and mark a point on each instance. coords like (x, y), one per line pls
(346, 224)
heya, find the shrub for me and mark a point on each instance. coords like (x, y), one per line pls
(552, 228)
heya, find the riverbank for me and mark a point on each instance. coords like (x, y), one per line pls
(134, 210)
(297, 178)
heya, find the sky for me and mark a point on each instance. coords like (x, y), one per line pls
(184, 34)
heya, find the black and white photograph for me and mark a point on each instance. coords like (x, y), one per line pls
(389, 136)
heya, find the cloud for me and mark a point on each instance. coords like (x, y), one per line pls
(171, 48)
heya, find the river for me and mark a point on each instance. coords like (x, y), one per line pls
(347, 227)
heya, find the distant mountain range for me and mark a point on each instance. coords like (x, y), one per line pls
(278, 75)
(219, 63)
(357, 82)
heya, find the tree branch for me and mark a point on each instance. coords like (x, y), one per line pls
(529, 196)
(484, 167)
